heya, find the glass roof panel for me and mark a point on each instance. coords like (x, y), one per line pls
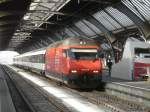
(40, 7)
(85, 28)
(120, 17)
(95, 29)
(143, 6)
(48, 5)
(73, 31)
(132, 8)
(69, 32)
(33, 6)
(35, 13)
(107, 21)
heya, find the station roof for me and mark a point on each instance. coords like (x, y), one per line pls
(10, 16)
(34, 20)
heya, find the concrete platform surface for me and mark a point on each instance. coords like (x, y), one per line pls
(137, 84)
(137, 91)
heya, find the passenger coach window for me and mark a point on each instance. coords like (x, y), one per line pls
(71, 54)
(41, 58)
(142, 52)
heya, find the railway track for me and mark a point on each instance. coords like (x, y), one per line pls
(108, 102)
(34, 97)
(18, 101)
(112, 103)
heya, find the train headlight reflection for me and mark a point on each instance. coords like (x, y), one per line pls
(95, 71)
(73, 71)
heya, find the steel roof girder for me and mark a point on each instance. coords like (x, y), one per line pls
(6, 29)
(2, 1)
(44, 42)
(99, 25)
(110, 37)
(63, 35)
(103, 1)
(39, 44)
(17, 12)
(49, 39)
(48, 1)
(58, 35)
(5, 13)
(71, 30)
(143, 27)
(8, 22)
(35, 46)
(79, 31)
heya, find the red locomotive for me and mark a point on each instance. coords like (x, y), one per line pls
(73, 61)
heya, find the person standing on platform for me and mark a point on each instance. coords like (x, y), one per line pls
(109, 64)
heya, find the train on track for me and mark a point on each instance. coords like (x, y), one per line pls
(135, 62)
(73, 61)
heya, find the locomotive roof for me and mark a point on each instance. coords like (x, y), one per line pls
(73, 41)
(69, 41)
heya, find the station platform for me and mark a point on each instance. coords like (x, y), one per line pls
(137, 91)
(134, 91)
(136, 84)
(6, 103)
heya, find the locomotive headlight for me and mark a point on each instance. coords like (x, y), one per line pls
(95, 71)
(73, 71)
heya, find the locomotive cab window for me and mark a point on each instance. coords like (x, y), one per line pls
(83, 54)
(64, 53)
